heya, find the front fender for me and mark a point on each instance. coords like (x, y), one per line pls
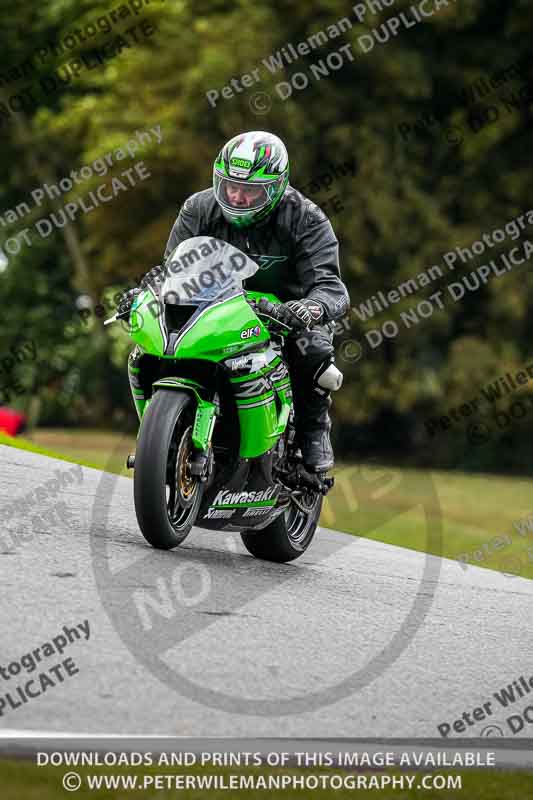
(204, 420)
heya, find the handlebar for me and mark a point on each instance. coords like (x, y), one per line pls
(265, 313)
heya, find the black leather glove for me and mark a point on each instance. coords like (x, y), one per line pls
(296, 314)
(126, 302)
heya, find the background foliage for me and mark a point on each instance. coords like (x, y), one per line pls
(409, 202)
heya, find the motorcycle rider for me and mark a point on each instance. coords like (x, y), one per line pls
(252, 206)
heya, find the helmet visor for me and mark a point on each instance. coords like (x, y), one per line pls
(240, 195)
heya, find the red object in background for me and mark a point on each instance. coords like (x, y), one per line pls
(12, 422)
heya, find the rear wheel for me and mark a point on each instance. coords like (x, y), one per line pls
(290, 534)
(167, 496)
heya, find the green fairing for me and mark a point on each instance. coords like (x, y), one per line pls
(257, 425)
(260, 423)
(216, 336)
(285, 395)
(145, 325)
(203, 424)
(256, 295)
(220, 327)
(205, 413)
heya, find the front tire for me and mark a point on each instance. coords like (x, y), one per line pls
(167, 497)
(290, 534)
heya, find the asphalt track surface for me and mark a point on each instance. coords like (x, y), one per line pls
(241, 647)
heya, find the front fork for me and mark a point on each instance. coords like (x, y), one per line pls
(204, 422)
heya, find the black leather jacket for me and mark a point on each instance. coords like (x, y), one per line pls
(295, 247)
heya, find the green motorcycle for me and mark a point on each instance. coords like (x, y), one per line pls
(216, 444)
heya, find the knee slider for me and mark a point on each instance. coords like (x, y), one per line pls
(328, 376)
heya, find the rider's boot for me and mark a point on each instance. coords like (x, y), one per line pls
(314, 429)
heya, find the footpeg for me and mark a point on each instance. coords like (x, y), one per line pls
(327, 484)
(324, 484)
(300, 477)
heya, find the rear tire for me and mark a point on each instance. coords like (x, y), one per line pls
(290, 534)
(167, 497)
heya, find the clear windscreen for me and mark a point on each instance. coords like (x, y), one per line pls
(201, 269)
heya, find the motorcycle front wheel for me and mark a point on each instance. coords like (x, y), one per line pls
(290, 534)
(167, 497)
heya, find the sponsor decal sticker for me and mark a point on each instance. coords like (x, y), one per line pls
(245, 163)
(240, 363)
(257, 512)
(248, 333)
(219, 513)
(226, 497)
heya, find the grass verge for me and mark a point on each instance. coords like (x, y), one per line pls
(23, 780)
(483, 517)
(25, 444)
